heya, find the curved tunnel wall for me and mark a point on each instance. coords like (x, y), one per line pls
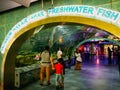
(8, 64)
(111, 40)
(26, 32)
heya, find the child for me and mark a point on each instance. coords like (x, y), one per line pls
(59, 74)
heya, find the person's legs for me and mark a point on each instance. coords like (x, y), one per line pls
(80, 65)
(76, 65)
(42, 71)
(62, 80)
(48, 75)
(57, 80)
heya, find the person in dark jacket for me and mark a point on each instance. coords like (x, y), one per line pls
(109, 56)
(118, 60)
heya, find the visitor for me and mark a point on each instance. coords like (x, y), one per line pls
(59, 53)
(118, 60)
(78, 63)
(109, 56)
(59, 74)
(45, 67)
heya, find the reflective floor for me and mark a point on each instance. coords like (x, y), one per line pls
(96, 74)
(91, 77)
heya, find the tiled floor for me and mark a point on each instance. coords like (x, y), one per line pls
(91, 77)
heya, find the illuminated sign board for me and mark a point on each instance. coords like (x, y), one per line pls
(99, 13)
(24, 22)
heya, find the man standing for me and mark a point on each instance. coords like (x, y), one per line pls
(46, 62)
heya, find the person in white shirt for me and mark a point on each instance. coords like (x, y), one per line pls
(59, 53)
(78, 60)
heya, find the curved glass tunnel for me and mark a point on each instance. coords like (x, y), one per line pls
(91, 41)
(68, 37)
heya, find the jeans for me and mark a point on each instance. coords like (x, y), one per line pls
(58, 79)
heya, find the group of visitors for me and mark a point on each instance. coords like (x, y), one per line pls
(45, 67)
(47, 62)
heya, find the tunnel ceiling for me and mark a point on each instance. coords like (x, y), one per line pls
(65, 34)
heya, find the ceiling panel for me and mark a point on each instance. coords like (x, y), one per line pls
(10, 4)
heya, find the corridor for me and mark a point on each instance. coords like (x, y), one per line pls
(91, 77)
